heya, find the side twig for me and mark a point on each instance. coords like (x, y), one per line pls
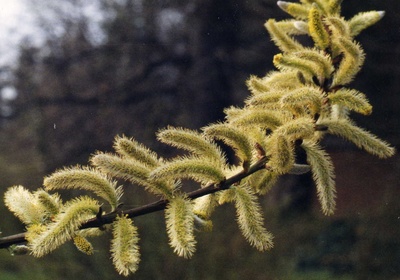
(159, 205)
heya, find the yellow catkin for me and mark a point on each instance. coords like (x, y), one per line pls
(352, 100)
(360, 137)
(84, 178)
(83, 245)
(317, 29)
(130, 148)
(282, 158)
(191, 141)
(75, 212)
(25, 205)
(363, 20)
(296, 10)
(233, 137)
(285, 42)
(179, 218)
(202, 170)
(250, 219)
(124, 246)
(323, 174)
(334, 6)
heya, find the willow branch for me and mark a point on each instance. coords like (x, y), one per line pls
(101, 220)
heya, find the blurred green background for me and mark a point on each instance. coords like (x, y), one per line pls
(145, 64)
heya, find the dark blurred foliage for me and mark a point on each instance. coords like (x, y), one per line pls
(157, 63)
